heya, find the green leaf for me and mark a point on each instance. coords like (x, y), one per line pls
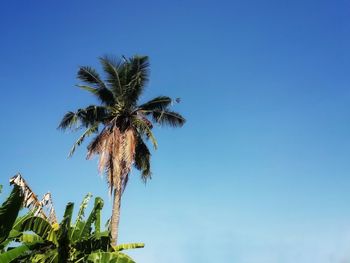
(39, 226)
(111, 66)
(90, 76)
(158, 103)
(128, 246)
(109, 257)
(30, 238)
(170, 118)
(12, 254)
(9, 212)
(87, 226)
(69, 120)
(135, 71)
(67, 217)
(98, 221)
(142, 159)
(50, 256)
(81, 214)
(144, 129)
(63, 234)
(101, 242)
(87, 133)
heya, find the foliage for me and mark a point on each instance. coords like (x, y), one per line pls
(39, 241)
(9, 212)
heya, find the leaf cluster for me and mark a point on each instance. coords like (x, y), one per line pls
(40, 242)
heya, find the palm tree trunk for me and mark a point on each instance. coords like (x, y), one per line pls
(115, 215)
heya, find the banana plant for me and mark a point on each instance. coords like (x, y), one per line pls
(41, 241)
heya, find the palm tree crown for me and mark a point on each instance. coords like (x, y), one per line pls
(120, 124)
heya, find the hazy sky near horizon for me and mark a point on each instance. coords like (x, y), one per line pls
(260, 173)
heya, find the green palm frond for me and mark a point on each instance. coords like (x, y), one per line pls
(103, 94)
(90, 76)
(95, 84)
(143, 128)
(89, 116)
(88, 132)
(170, 118)
(137, 75)
(69, 120)
(142, 159)
(111, 67)
(158, 103)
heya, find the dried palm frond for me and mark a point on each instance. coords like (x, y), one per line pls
(116, 150)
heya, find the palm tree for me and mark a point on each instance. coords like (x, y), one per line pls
(122, 124)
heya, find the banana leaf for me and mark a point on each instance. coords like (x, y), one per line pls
(79, 221)
(109, 257)
(41, 227)
(128, 246)
(13, 253)
(9, 212)
(86, 227)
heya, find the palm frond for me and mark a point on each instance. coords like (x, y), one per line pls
(136, 73)
(142, 159)
(158, 103)
(103, 94)
(69, 120)
(111, 67)
(95, 84)
(89, 131)
(143, 128)
(90, 76)
(170, 118)
(90, 116)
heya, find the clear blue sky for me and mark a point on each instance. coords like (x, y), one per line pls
(261, 171)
